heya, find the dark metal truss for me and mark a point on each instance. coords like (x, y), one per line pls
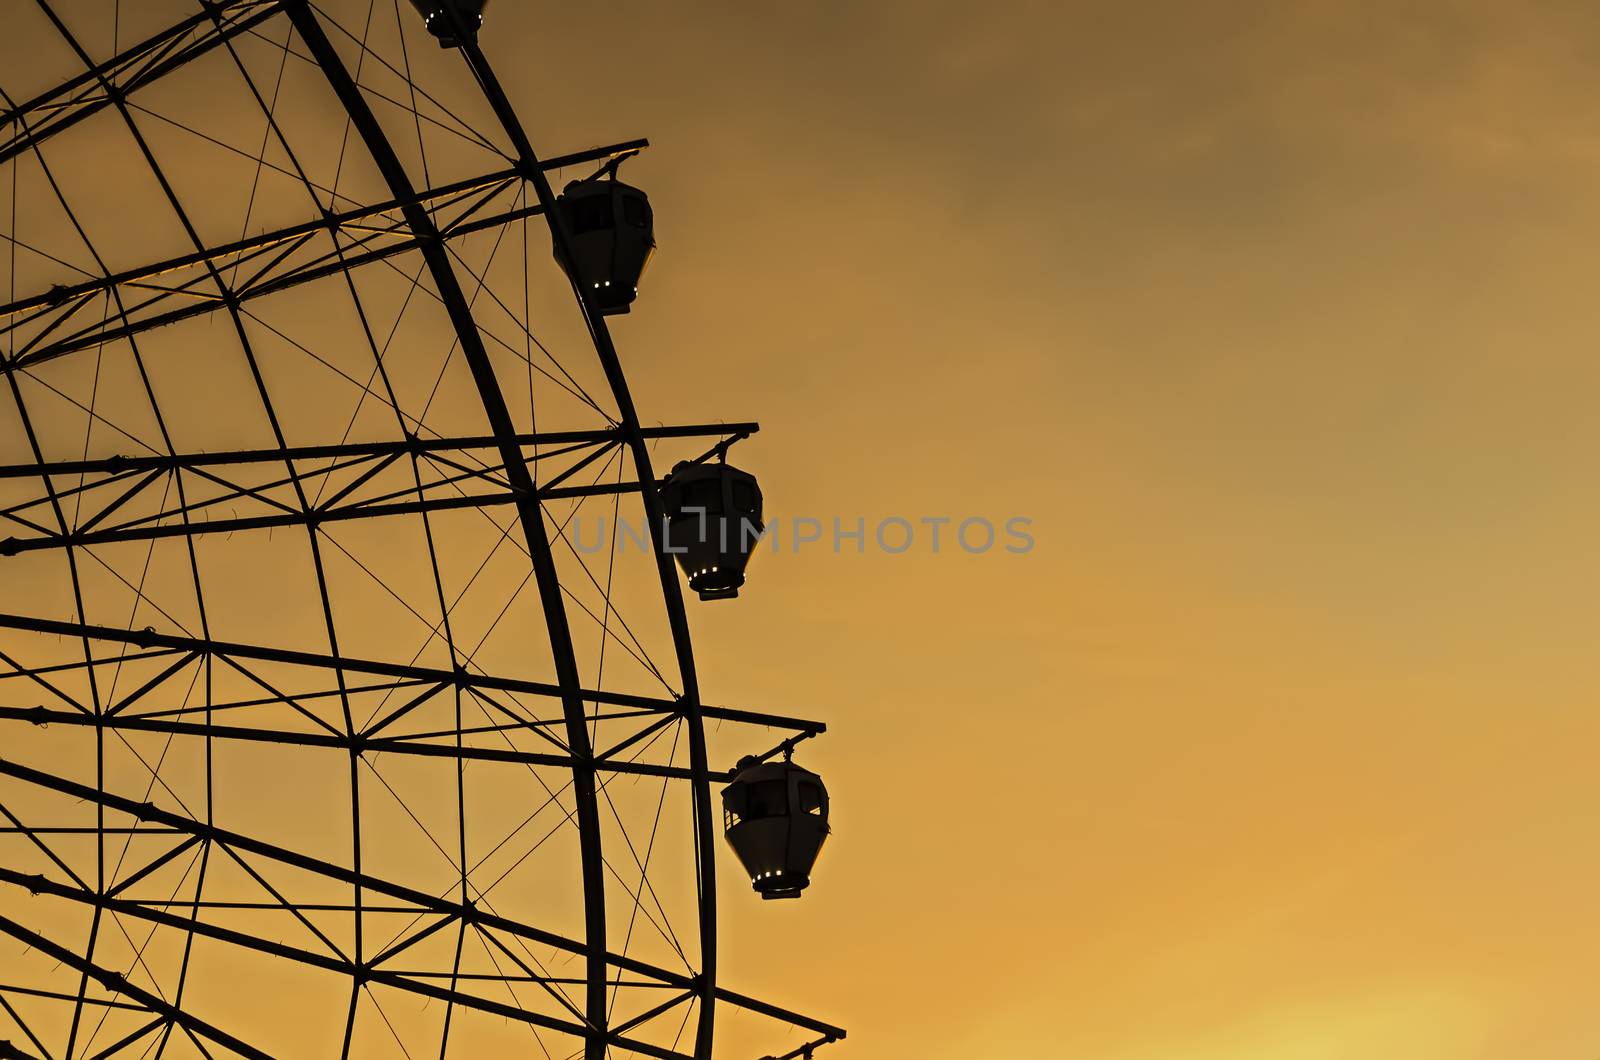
(547, 580)
(117, 983)
(256, 854)
(705, 821)
(54, 323)
(30, 123)
(274, 715)
(424, 679)
(133, 498)
(125, 498)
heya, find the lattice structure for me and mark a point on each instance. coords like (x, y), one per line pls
(321, 732)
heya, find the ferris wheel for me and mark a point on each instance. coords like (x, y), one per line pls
(337, 716)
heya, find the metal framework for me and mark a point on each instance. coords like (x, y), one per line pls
(129, 710)
(52, 324)
(131, 499)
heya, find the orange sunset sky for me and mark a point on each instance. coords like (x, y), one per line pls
(1277, 321)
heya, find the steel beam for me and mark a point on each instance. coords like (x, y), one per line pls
(77, 98)
(334, 220)
(421, 900)
(592, 867)
(365, 973)
(118, 984)
(705, 821)
(155, 461)
(420, 674)
(358, 744)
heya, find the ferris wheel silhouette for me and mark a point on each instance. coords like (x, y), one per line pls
(317, 734)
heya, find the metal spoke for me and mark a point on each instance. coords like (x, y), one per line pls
(125, 711)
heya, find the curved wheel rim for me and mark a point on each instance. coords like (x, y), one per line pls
(601, 731)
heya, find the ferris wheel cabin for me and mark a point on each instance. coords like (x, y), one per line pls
(436, 17)
(775, 816)
(713, 514)
(611, 232)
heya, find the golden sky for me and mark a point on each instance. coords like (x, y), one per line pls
(1276, 321)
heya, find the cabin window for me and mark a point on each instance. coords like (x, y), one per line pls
(810, 798)
(589, 213)
(767, 798)
(703, 494)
